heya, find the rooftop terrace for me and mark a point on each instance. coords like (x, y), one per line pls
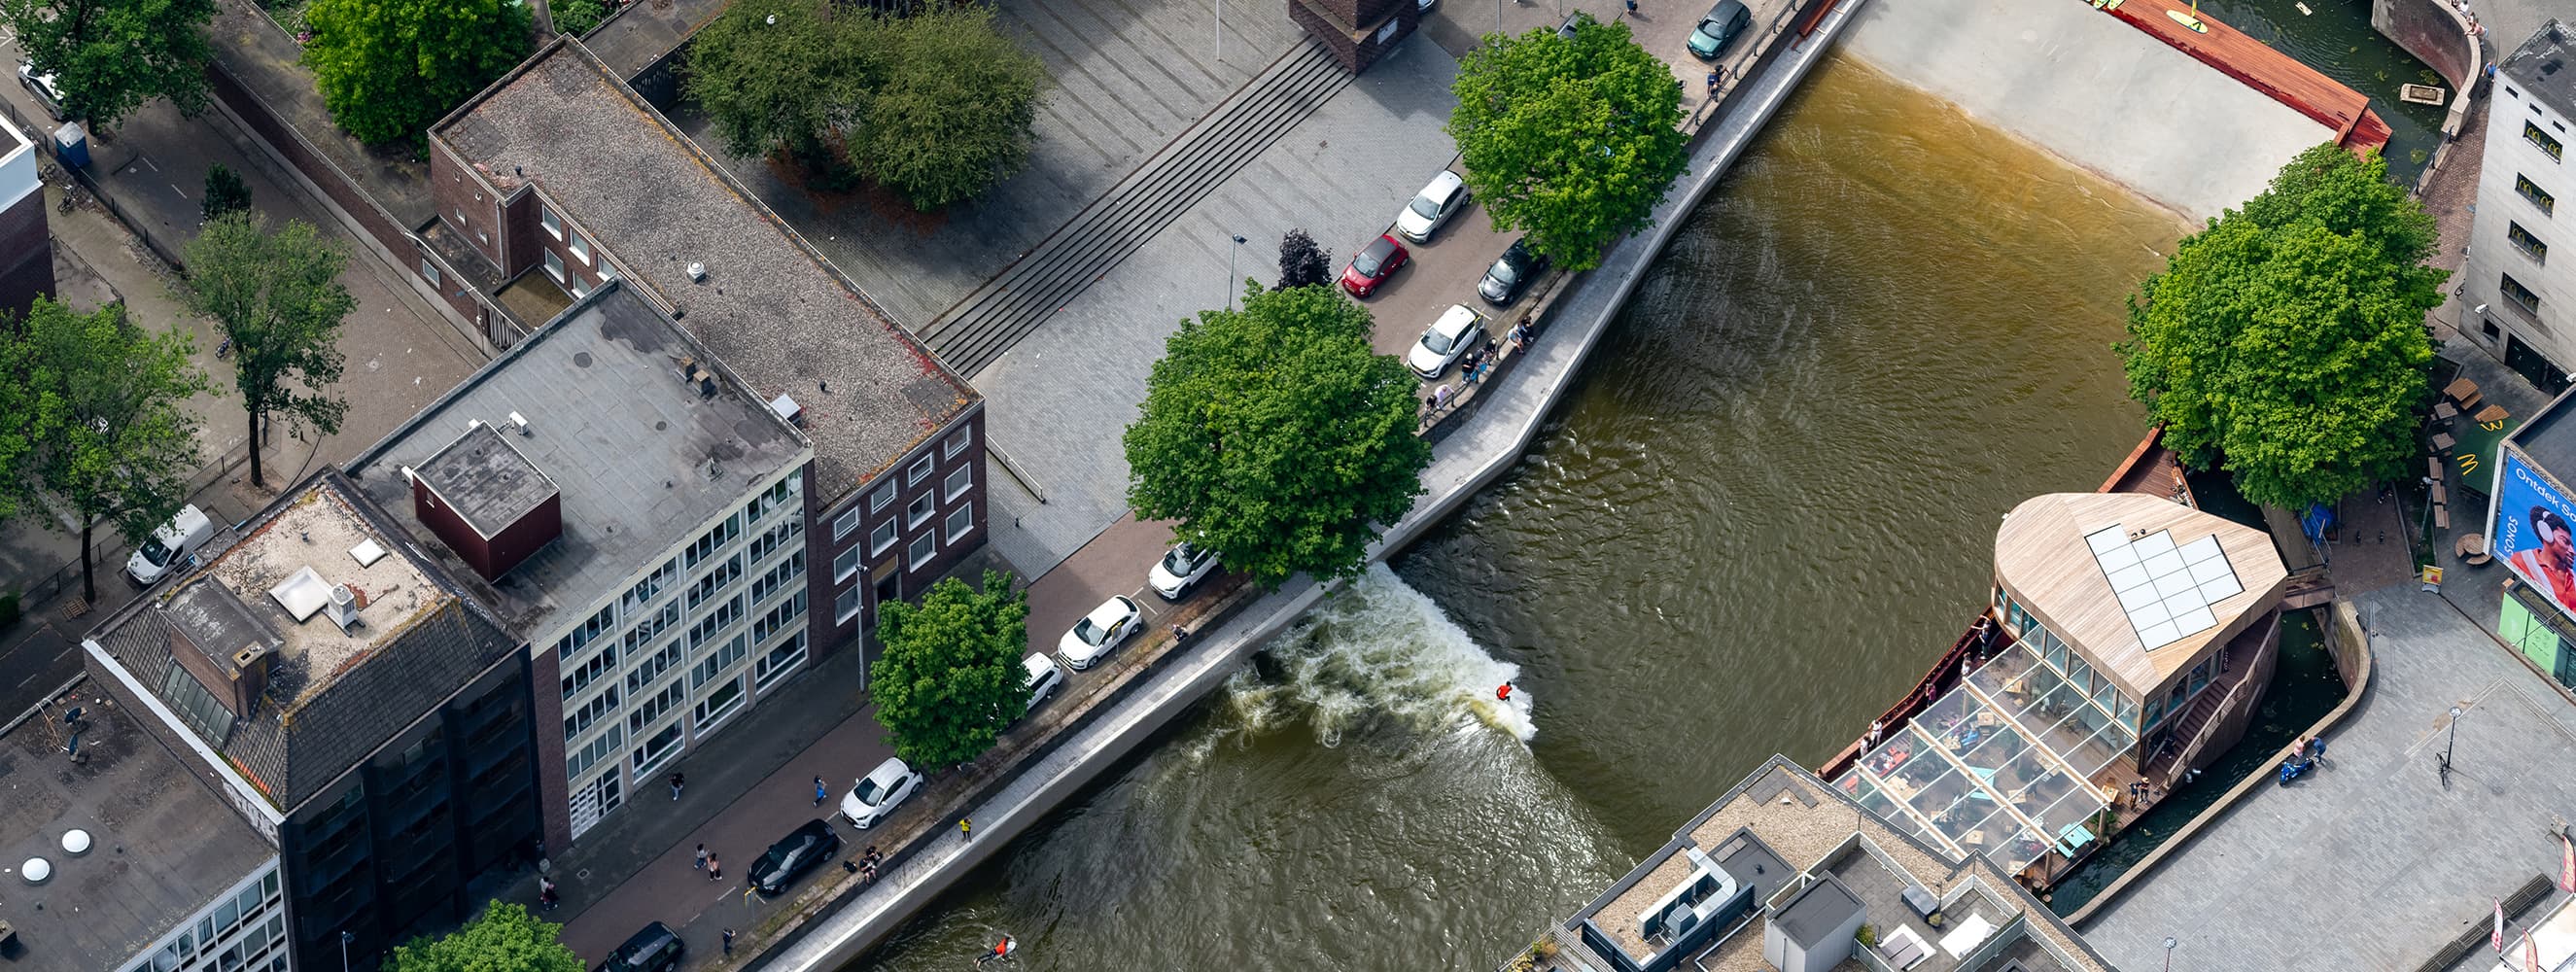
(164, 845)
(772, 308)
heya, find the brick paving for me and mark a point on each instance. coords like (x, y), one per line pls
(2450, 193)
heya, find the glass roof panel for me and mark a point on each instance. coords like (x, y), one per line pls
(2000, 678)
(2165, 589)
(2016, 852)
(2034, 798)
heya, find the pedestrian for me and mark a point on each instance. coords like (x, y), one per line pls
(869, 873)
(871, 856)
(1440, 399)
(1179, 634)
(1632, 8)
(966, 829)
(1877, 728)
(728, 941)
(821, 792)
(546, 894)
(2317, 748)
(715, 868)
(676, 783)
(702, 857)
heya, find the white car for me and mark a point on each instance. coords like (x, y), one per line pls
(1180, 570)
(876, 794)
(1457, 330)
(1044, 678)
(42, 88)
(1443, 198)
(1115, 620)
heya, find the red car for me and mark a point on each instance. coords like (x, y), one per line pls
(1373, 265)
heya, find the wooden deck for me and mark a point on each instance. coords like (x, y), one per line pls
(2262, 68)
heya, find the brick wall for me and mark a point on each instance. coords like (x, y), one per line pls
(893, 565)
(26, 255)
(554, 793)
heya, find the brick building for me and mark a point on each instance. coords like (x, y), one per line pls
(26, 249)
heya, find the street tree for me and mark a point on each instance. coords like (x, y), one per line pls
(2351, 193)
(956, 109)
(575, 17)
(118, 446)
(1276, 436)
(389, 68)
(2293, 355)
(278, 298)
(26, 419)
(108, 57)
(1301, 262)
(225, 193)
(782, 76)
(950, 680)
(504, 938)
(1574, 141)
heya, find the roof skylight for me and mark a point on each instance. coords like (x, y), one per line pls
(2166, 590)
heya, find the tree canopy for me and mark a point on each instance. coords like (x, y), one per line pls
(1301, 262)
(2286, 341)
(112, 441)
(1277, 436)
(1574, 141)
(278, 297)
(504, 938)
(950, 680)
(936, 105)
(225, 193)
(108, 57)
(577, 17)
(389, 68)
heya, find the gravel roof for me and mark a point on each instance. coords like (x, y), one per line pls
(771, 307)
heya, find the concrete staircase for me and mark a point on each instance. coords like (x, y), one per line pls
(1010, 306)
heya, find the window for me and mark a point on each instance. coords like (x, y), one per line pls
(555, 266)
(919, 471)
(580, 247)
(587, 672)
(846, 606)
(707, 543)
(847, 563)
(769, 499)
(582, 717)
(958, 443)
(882, 498)
(919, 512)
(599, 749)
(568, 645)
(580, 288)
(959, 482)
(2529, 245)
(2489, 329)
(845, 523)
(779, 661)
(651, 627)
(652, 667)
(552, 222)
(652, 584)
(429, 272)
(717, 704)
(778, 618)
(778, 536)
(883, 537)
(2548, 204)
(717, 620)
(653, 708)
(778, 577)
(715, 580)
(717, 661)
(2531, 133)
(2519, 295)
(960, 521)
(923, 547)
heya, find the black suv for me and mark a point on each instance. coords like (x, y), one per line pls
(1505, 280)
(655, 949)
(804, 850)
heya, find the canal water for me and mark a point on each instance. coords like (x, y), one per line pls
(1769, 503)
(2335, 37)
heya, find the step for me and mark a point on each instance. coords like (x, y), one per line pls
(988, 322)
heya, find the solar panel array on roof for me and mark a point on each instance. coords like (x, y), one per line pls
(2166, 590)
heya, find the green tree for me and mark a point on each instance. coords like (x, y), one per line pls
(577, 17)
(1277, 436)
(225, 193)
(505, 938)
(108, 57)
(389, 68)
(278, 298)
(950, 679)
(1301, 262)
(2290, 347)
(781, 75)
(956, 109)
(1574, 141)
(118, 446)
(25, 421)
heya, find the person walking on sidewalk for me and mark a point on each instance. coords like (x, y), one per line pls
(715, 868)
(676, 782)
(728, 941)
(702, 857)
(821, 792)
(966, 829)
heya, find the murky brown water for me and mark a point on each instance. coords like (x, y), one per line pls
(1768, 505)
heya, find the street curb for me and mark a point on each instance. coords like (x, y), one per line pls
(40, 706)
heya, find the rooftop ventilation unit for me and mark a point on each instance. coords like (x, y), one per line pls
(698, 272)
(520, 422)
(342, 607)
(787, 408)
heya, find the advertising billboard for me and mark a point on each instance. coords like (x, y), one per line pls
(2535, 532)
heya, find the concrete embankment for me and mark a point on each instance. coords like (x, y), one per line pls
(1477, 454)
(2096, 92)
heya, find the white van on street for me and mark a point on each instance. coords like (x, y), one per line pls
(170, 545)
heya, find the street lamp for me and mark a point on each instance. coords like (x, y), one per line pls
(346, 937)
(2452, 740)
(2169, 947)
(1220, 31)
(1229, 270)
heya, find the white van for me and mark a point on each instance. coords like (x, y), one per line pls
(169, 545)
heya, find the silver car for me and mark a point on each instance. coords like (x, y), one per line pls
(1106, 627)
(1443, 198)
(41, 87)
(1181, 569)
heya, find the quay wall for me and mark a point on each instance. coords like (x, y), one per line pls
(2438, 35)
(2094, 91)
(1474, 455)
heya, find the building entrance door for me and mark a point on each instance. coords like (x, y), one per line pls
(2533, 366)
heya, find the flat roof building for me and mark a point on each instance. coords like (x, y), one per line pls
(1783, 872)
(2531, 527)
(2522, 308)
(26, 248)
(167, 877)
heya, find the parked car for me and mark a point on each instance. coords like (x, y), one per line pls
(1719, 31)
(1511, 274)
(1456, 331)
(1179, 570)
(1572, 20)
(1373, 264)
(877, 793)
(655, 949)
(167, 547)
(1443, 198)
(800, 851)
(1045, 676)
(1114, 621)
(41, 87)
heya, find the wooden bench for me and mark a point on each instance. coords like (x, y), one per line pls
(2442, 442)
